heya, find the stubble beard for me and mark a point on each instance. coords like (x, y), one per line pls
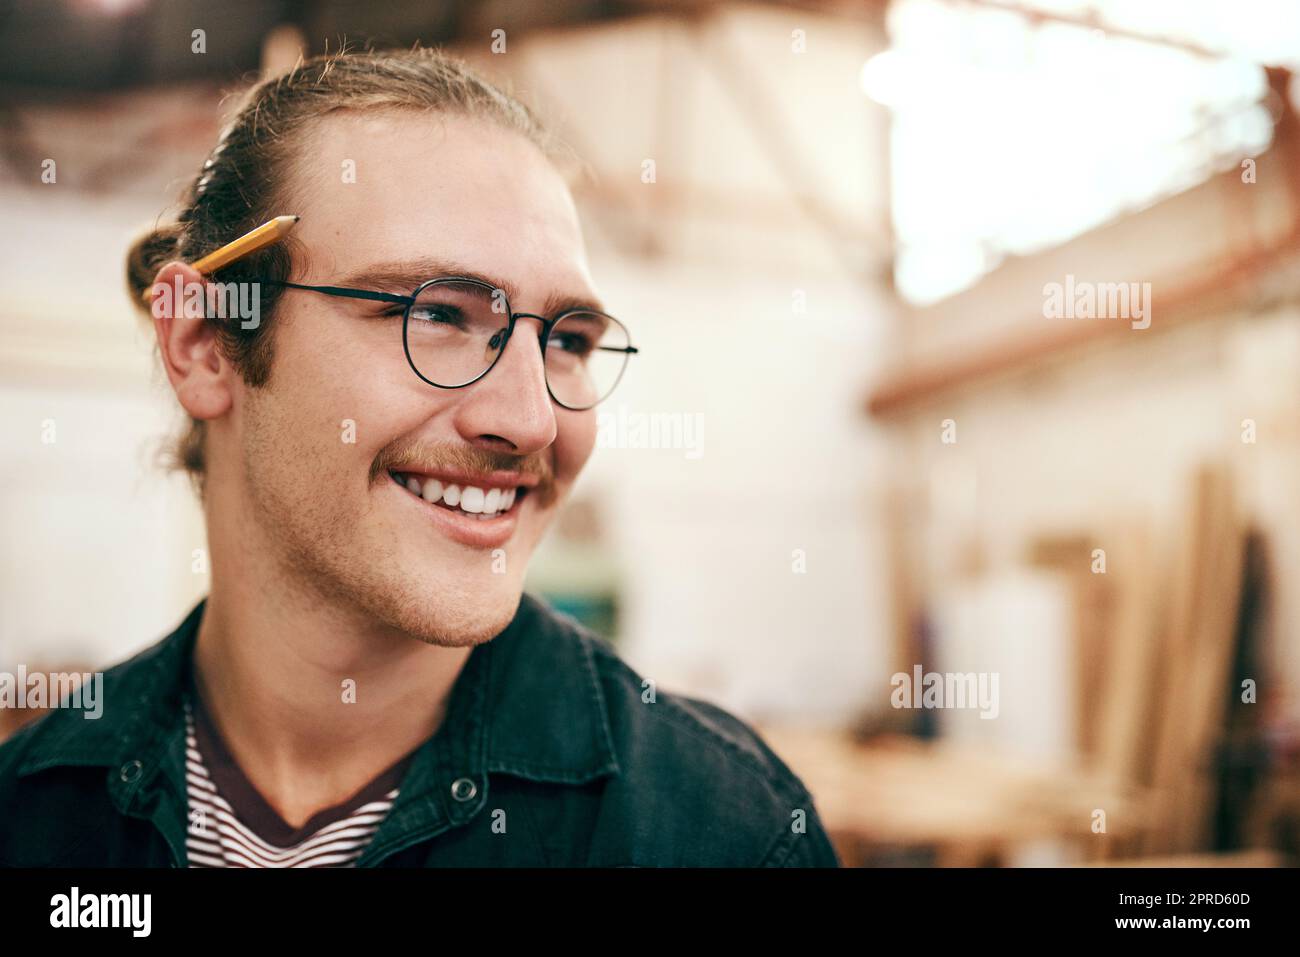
(326, 552)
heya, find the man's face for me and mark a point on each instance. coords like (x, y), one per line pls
(344, 419)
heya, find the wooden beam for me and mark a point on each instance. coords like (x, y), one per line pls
(1019, 350)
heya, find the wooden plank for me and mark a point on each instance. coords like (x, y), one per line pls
(1253, 858)
(1197, 652)
(1124, 736)
(968, 804)
(1092, 598)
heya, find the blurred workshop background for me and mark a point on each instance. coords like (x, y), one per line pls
(972, 366)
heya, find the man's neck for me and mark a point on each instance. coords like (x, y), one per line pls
(311, 704)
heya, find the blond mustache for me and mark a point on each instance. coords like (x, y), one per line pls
(415, 455)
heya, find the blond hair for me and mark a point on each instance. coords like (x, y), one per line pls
(246, 179)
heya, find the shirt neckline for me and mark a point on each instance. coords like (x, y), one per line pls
(248, 804)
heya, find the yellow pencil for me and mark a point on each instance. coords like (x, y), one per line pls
(271, 231)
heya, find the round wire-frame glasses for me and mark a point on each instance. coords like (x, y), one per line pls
(462, 325)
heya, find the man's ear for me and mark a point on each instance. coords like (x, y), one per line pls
(198, 372)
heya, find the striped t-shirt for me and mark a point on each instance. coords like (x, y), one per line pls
(231, 824)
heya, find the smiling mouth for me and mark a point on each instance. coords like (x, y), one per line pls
(483, 504)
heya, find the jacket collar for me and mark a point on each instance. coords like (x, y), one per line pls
(142, 699)
(531, 696)
(546, 713)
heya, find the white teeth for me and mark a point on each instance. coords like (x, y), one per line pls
(470, 499)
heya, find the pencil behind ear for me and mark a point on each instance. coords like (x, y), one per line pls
(149, 252)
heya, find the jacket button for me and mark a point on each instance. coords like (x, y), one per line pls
(131, 770)
(463, 789)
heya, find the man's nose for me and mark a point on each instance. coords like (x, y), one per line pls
(510, 408)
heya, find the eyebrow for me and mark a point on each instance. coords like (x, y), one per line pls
(402, 278)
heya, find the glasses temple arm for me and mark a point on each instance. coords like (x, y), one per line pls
(344, 291)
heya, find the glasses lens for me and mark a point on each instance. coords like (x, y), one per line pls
(455, 329)
(585, 357)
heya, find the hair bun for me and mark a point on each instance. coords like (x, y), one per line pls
(148, 253)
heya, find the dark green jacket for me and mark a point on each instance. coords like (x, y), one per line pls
(547, 732)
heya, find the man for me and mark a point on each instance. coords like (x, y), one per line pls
(379, 449)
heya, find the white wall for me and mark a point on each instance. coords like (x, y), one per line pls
(96, 554)
(787, 463)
